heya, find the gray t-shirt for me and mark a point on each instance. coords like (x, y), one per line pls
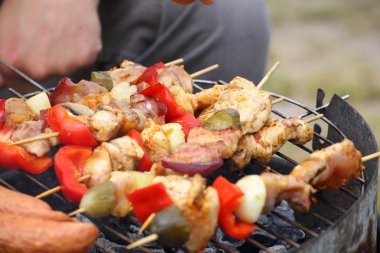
(232, 33)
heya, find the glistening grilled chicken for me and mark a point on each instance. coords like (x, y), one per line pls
(175, 76)
(98, 166)
(199, 205)
(330, 167)
(254, 105)
(269, 139)
(226, 139)
(155, 141)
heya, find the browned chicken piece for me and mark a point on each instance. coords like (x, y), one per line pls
(67, 91)
(125, 183)
(106, 122)
(98, 166)
(128, 72)
(330, 167)
(124, 153)
(194, 153)
(155, 141)
(25, 205)
(25, 234)
(208, 97)
(226, 139)
(199, 206)
(132, 119)
(28, 129)
(175, 76)
(254, 105)
(16, 112)
(269, 139)
(286, 187)
(93, 100)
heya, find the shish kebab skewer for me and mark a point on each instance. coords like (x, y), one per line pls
(262, 189)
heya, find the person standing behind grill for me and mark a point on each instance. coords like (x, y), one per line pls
(68, 37)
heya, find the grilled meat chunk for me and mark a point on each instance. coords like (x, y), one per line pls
(124, 153)
(226, 139)
(269, 139)
(199, 206)
(155, 141)
(286, 187)
(128, 72)
(125, 183)
(254, 105)
(98, 166)
(175, 76)
(16, 112)
(67, 91)
(28, 129)
(106, 122)
(208, 97)
(194, 153)
(330, 167)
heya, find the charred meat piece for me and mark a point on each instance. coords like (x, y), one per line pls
(330, 167)
(254, 105)
(32, 234)
(28, 129)
(124, 153)
(175, 76)
(133, 119)
(93, 100)
(16, 112)
(67, 91)
(286, 187)
(269, 139)
(226, 139)
(106, 122)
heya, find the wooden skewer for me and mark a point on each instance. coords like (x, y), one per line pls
(58, 188)
(204, 71)
(369, 157)
(147, 223)
(78, 211)
(175, 62)
(35, 138)
(142, 241)
(266, 77)
(314, 118)
(278, 100)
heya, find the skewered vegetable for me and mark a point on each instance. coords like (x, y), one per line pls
(174, 133)
(226, 118)
(102, 78)
(39, 103)
(170, 226)
(99, 200)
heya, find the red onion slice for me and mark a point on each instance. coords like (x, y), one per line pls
(203, 168)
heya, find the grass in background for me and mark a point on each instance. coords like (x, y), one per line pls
(333, 45)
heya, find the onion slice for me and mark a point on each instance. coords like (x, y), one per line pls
(191, 168)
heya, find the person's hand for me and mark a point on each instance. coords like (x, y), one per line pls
(45, 37)
(208, 2)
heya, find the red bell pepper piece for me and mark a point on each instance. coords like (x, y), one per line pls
(230, 197)
(160, 92)
(187, 121)
(148, 200)
(13, 156)
(69, 162)
(2, 112)
(145, 163)
(71, 130)
(150, 75)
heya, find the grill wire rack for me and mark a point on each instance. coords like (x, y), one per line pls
(352, 191)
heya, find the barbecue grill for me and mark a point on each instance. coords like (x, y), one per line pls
(341, 220)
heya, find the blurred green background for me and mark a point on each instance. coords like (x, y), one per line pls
(333, 45)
